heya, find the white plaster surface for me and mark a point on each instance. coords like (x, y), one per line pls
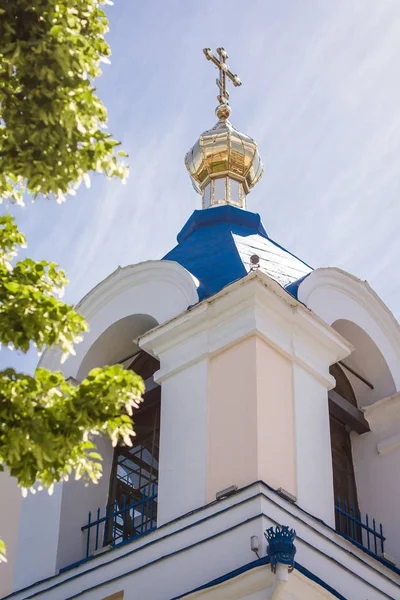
(183, 442)
(352, 308)
(120, 308)
(313, 447)
(77, 500)
(38, 535)
(159, 289)
(194, 550)
(10, 510)
(336, 295)
(248, 381)
(377, 478)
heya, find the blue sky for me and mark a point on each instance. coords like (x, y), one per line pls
(320, 94)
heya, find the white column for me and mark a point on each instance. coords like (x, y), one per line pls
(313, 446)
(183, 442)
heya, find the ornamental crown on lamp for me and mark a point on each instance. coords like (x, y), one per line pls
(224, 164)
(281, 548)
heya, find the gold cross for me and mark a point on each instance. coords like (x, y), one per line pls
(224, 71)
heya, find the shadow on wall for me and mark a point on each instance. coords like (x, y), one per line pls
(368, 361)
(116, 343)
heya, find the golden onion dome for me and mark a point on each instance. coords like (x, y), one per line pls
(224, 152)
(224, 164)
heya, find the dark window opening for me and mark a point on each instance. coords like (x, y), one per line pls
(343, 386)
(134, 475)
(344, 483)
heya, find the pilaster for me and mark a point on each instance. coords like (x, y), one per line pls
(244, 378)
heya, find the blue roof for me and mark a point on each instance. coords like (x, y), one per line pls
(215, 245)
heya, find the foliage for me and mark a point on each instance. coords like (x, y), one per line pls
(29, 313)
(45, 421)
(52, 134)
(47, 424)
(52, 124)
(2, 552)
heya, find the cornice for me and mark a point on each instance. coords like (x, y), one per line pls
(383, 413)
(253, 305)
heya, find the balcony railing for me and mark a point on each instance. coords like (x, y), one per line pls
(365, 534)
(119, 525)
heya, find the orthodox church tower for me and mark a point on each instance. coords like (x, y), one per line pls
(266, 460)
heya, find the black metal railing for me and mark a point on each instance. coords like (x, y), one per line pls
(364, 533)
(119, 525)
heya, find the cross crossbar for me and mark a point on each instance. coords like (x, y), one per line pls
(224, 72)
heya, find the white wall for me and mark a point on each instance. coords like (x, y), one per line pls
(251, 337)
(37, 546)
(183, 442)
(77, 500)
(377, 465)
(313, 446)
(119, 309)
(196, 549)
(10, 511)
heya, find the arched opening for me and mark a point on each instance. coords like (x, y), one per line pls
(134, 475)
(352, 308)
(344, 483)
(100, 508)
(362, 378)
(117, 343)
(373, 379)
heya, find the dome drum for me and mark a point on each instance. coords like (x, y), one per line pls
(223, 190)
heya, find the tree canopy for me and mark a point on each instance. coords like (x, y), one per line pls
(52, 134)
(53, 124)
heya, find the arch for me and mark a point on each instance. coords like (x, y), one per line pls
(351, 307)
(123, 306)
(116, 343)
(368, 361)
(156, 290)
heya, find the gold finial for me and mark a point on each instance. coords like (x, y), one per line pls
(224, 164)
(222, 111)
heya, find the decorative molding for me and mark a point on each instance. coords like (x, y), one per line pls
(132, 275)
(122, 279)
(383, 413)
(253, 305)
(332, 278)
(329, 550)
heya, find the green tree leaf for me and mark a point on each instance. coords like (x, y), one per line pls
(52, 123)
